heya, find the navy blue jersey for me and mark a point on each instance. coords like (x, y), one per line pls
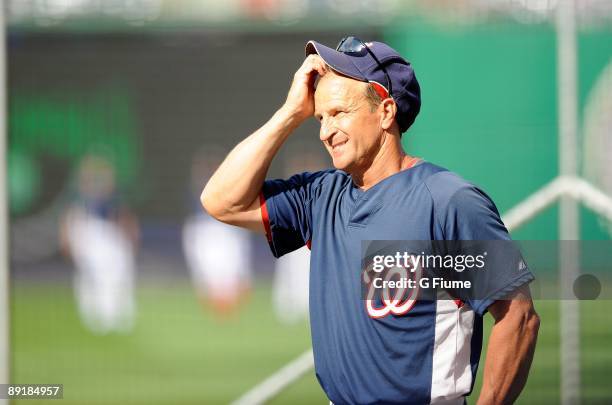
(428, 354)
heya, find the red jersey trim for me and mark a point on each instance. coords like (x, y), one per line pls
(413, 161)
(265, 218)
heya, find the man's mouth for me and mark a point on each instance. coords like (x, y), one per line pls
(338, 146)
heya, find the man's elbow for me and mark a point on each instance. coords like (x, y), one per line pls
(220, 209)
(211, 205)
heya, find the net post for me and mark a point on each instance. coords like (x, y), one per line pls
(569, 226)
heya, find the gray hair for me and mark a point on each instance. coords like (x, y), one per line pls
(372, 97)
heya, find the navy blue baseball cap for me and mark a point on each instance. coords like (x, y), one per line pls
(378, 63)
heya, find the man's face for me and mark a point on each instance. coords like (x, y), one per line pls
(350, 130)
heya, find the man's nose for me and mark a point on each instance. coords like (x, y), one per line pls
(327, 129)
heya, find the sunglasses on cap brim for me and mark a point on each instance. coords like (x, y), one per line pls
(354, 46)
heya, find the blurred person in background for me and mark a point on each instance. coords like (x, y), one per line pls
(100, 235)
(218, 256)
(291, 271)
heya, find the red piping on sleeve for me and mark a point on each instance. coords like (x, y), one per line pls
(264, 216)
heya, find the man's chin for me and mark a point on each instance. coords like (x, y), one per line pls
(342, 164)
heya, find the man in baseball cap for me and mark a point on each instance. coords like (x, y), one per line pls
(365, 95)
(380, 65)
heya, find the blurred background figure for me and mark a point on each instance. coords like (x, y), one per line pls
(218, 255)
(290, 291)
(100, 235)
(291, 272)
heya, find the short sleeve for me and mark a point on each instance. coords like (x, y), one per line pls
(286, 211)
(472, 216)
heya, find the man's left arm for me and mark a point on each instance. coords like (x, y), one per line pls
(511, 346)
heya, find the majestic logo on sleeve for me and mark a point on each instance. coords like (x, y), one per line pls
(393, 291)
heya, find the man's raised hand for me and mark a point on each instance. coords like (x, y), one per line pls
(300, 100)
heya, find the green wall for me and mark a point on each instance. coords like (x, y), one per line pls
(489, 107)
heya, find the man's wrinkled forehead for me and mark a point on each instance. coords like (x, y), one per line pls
(336, 91)
(336, 85)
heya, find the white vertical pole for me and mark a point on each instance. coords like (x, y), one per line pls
(569, 226)
(4, 273)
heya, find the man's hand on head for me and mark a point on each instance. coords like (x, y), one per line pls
(300, 100)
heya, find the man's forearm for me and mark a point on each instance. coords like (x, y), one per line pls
(231, 193)
(238, 181)
(508, 359)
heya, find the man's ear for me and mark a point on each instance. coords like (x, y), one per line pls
(388, 110)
